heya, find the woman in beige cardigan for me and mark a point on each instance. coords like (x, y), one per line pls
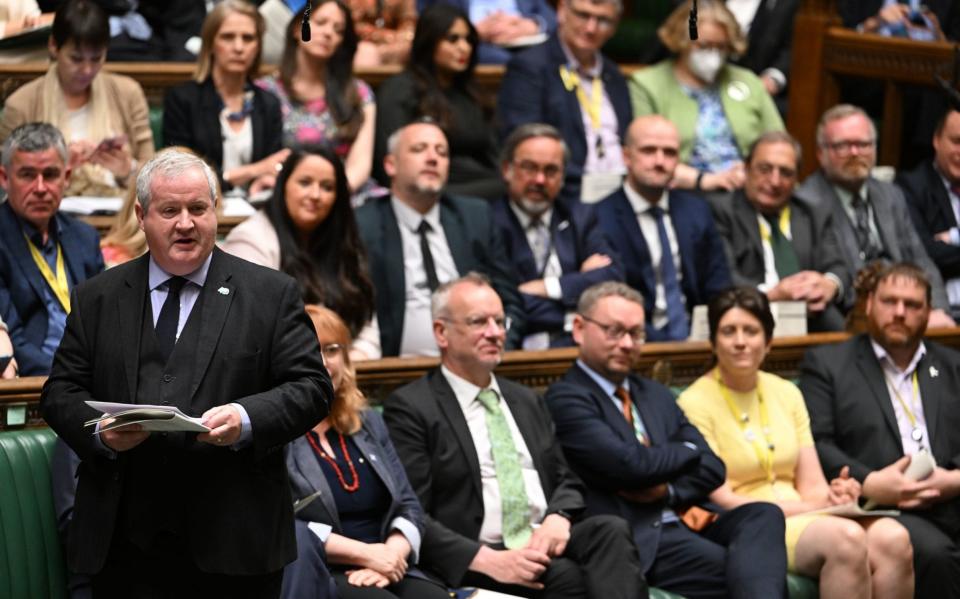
(103, 116)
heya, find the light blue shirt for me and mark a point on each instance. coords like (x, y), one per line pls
(56, 314)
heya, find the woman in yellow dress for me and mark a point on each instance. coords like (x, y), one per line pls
(758, 424)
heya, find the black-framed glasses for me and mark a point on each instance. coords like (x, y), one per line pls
(479, 323)
(846, 146)
(603, 22)
(615, 332)
(529, 168)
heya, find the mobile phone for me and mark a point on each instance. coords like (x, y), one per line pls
(111, 143)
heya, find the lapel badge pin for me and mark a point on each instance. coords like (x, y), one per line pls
(223, 291)
(934, 373)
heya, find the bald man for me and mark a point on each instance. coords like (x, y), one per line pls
(644, 217)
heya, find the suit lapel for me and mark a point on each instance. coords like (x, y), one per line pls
(391, 252)
(746, 218)
(131, 312)
(522, 255)
(882, 217)
(650, 419)
(16, 243)
(314, 479)
(800, 236)
(876, 381)
(371, 452)
(523, 418)
(940, 199)
(73, 252)
(258, 121)
(218, 293)
(930, 391)
(455, 231)
(630, 229)
(450, 409)
(210, 120)
(609, 411)
(686, 233)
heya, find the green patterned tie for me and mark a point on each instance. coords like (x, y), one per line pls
(513, 495)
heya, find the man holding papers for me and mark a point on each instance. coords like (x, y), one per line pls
(176, 514)
(883, 403)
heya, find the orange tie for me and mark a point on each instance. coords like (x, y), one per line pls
(624, 397)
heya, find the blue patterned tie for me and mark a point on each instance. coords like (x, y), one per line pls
(678, 324)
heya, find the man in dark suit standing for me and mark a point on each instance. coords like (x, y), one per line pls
(870, 217)
(179, 514)
(503, 509)
(555, 244)
(418, 237)
(566, 82)
(642, 460)
(643, 217)
(44, 254)
(880, 400)
(778, 242)
(932, 190)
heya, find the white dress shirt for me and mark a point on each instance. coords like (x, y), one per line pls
(901, 382)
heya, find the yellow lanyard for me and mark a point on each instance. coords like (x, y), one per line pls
(571, 81)
(763, 448)
(57, 283)
(784, 223)
(915, 431)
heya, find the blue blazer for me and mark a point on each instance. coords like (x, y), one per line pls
(531, 92)
(575, 235)
(25, 311)
(538, 10)
(603, 450)
(474, 243)
(702, 262)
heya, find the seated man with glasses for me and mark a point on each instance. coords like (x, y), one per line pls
(504, 511)
(779, 243)
(569, 84)
(555, 245)
(642, 460)
(871, 218)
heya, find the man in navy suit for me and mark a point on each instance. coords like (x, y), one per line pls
(643, 461)
(644, 216)
(556, 246)
(554, 83)
(43, 254)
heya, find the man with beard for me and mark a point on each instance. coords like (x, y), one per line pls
(645, 216)
(555, 244)
(418, 238)
(870, 217)
(880, 400)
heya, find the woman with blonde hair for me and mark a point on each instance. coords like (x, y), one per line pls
(235, 126)
(361, 519)
(125, 240)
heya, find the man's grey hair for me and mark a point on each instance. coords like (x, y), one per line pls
(441, 297)
(172, 163)
(841, 111)
(33, 137)
(394, 137)
(530, 131)
(590, 297)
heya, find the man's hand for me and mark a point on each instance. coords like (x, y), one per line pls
(123, 438)
(366, 577)
(944, 237)
(809, 286)
(551, 537)
(728, 180)
(534, 287)
(939, 319)
(844, 488)
(224, 424)
(385, 560)
(595, 261)
(116, 159)
(648, 495)
(945, 482)
(512, 566)
(889, 486)
(501, 28)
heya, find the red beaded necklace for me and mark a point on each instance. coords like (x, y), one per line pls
(349, 488)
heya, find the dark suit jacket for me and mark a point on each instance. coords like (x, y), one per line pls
(532, 92)
(25, 311)
(814, 240)
(434, 443)
(931, 213)
(575, 236)
(306, 478)
(268, 361)
(770, 39)
(603, 450)
(474, 242)
(191, 118)
(897, 233)
(703, 266)
(852, 418)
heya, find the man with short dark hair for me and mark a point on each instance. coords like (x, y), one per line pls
(503, 508)
(887, 398)
(555, 244)
(643, 461)
(44, 254)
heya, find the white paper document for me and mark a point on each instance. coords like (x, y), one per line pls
(852, 510)
(152, 418)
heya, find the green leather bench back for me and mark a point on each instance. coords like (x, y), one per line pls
(31, 560)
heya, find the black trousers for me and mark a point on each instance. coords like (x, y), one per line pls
(600, 562)
(742, 555)
(936, 558)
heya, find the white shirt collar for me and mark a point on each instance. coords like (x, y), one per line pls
(884, 358)
(410, 219)
(640, 204)
(525, 219)
(464, 390)
(157, 276)
(608, 386)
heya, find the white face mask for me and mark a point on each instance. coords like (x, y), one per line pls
(706, 63)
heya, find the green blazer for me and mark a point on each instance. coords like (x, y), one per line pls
(749, 108)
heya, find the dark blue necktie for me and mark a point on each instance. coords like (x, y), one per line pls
(678, 324)
(169, 317)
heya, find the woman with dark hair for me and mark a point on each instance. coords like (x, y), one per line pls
(438, 84)
(360, 520)
(221, 115)
(322, 102)
(102, 116)
(758, 424)
(307, 229)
